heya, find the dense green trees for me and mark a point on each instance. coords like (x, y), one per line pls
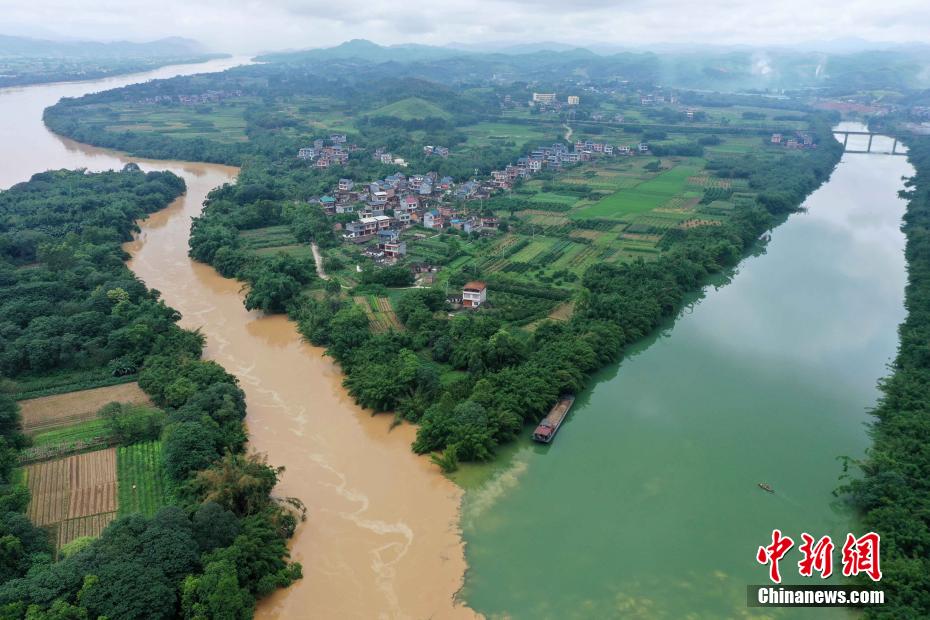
(67, 302)
(129, 424)
(22, 545)
(893, 493)
(70, 305)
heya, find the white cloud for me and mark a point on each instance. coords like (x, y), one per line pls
(246, 25)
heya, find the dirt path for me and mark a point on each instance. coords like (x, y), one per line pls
(568, 133)
(318, 259)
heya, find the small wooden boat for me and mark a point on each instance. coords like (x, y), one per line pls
(765, 486)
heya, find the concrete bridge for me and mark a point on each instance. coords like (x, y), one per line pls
(868, 149)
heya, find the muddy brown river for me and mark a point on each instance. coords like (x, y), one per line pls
(382, 537)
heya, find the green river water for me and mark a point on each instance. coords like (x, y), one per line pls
(647, 505)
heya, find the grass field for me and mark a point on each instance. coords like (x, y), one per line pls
(645, 196)
(141, 473)
(552, 197)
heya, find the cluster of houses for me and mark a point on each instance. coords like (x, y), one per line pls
(556, 156)
(382, 209)
(326, 153)
(439, 151)
(384, 157)
(387, 206)
(800, 140)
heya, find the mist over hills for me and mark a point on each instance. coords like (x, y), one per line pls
(719, 68)
(14, 46)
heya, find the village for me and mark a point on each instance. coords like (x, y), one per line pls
(384, 209)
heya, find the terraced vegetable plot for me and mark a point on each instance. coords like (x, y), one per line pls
(535, 247)
(76, 487)
(142, 483)
(704, 180)
(381, 316)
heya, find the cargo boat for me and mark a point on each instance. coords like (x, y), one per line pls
(549, 426)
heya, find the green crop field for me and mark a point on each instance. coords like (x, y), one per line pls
(268, 237)
(221, 122)
(536, 246)
(140, 471)
(411, 108)
(646, 196)
(556, 198)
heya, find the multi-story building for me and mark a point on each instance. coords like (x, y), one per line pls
(474, 294)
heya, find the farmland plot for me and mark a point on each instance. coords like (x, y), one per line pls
(65, 492)
(381, 316)
(644, 197)
(143, 487)
(48, 412)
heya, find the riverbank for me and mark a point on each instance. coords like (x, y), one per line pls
(382, 533)
(767, 375)
(893, 496)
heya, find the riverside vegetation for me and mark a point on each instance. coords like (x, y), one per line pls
(74, 317)
(893, 494)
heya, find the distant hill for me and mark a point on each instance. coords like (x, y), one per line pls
(363, 49)
(172, 47)
(726, 69)
(411, 108)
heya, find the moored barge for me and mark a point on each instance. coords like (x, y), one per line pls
(549, 426)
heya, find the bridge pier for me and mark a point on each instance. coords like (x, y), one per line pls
(894, 147)
(869, 149)
(845, 140)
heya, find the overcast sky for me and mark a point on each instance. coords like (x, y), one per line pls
(249, 26)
